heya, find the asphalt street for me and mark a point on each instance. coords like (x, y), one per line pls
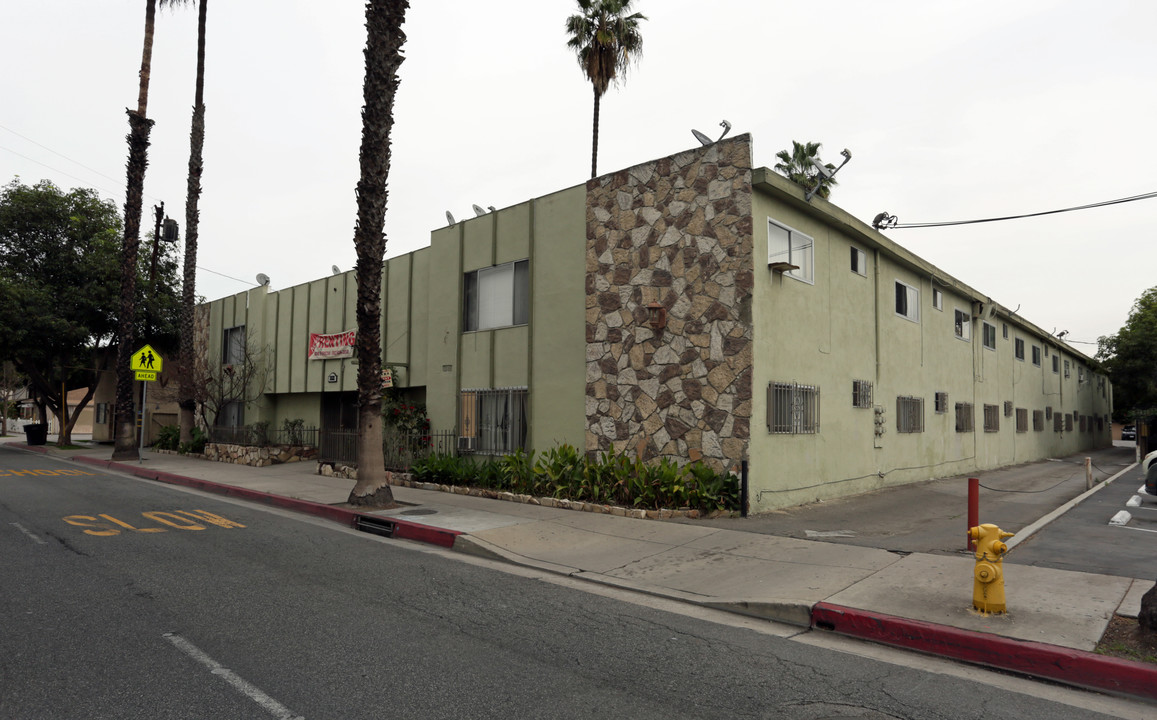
(127, 599)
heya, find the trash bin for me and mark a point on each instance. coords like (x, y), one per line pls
(37, 433)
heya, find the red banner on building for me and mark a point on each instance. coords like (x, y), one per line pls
(328, 347)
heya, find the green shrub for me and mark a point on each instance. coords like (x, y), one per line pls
(294, 431)
(612, 479)
(259, 433)
(168, 438)
(197, 446)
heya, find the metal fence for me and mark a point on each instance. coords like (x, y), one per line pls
(399, 449)
(260, 436)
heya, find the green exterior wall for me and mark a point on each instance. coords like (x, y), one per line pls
(422, 334)
(844, 327)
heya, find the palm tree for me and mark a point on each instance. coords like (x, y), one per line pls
(384, 39)
(800, 168)
(606, 39)
(187, 391)
(138, 139)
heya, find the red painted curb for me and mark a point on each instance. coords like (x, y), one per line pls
(402, 529)
(42, 449)
(1074, 667)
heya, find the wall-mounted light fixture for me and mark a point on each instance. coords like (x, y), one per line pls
(656, 316)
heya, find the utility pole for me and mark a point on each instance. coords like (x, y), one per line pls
(160, 212)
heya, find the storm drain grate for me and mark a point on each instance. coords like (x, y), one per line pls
(375, 525)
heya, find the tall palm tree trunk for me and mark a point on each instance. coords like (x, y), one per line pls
(595, 134)
(138, 139)
(383, 54)
(187, 391)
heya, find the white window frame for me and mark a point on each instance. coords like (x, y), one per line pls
(912, 301)
(962, 324)
(496, 296)
(785, 244)
(937, 299)
(859, 261)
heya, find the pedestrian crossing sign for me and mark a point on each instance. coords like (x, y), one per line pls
(146, 361)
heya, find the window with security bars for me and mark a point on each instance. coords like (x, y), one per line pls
(941, 402)
(991, 418)
(909, 414)
(1049, 412)
(492, 422)
(1008, 408)
(1038, 420)
(964, 421)
(1068, 422)
(793, 409)
(1058, 422)
(861, 394)
(1021, 420)
(1084, 423)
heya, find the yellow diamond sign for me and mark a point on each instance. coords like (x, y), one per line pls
(146, 360)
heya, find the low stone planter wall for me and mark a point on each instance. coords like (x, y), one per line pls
(406, 480)
(257, 456)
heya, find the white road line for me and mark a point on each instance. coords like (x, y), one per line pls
(35, 538)
(239, 683)
(1126, 527)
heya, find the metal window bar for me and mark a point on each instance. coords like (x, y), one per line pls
(861, 393)
(1021, 420)
(964, 415)
(941, 402)
(909, 414)
(1038, 420)
(1008, 408)
(793, 409)
(496, 420)
(991, 418)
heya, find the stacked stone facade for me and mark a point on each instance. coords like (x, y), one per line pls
(678, 232)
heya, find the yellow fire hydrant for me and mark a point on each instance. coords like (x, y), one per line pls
(988, 575)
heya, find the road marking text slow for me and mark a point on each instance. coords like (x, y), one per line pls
(106, 525)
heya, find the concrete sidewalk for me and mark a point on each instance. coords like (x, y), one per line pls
(917, 600)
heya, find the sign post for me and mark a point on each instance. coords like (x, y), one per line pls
(147, 364)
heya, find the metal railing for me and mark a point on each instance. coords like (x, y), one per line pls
(400, 450)
(260, 436)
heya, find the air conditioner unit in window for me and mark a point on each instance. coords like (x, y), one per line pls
(467, 444)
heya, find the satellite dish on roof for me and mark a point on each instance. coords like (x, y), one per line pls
(478, 211)
(262, 279)
(450, 218)
(336, 270)
(704, 140)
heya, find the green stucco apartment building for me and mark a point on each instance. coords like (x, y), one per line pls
(692, 307)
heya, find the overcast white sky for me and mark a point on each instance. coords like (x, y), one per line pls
(953, 110)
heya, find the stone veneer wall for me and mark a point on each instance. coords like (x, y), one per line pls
(677, 231)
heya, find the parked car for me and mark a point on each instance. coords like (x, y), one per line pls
(1149, 467)
(1129, 432)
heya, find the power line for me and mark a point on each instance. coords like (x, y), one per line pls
(247, 282)
(54, 152)
(885, 221)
